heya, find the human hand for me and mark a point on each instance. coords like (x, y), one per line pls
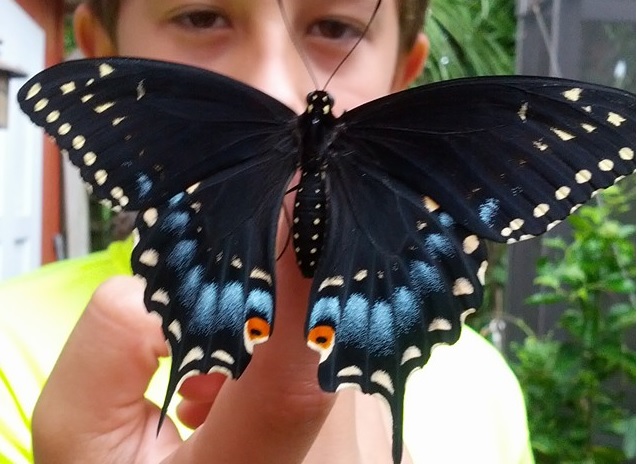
(93, 409)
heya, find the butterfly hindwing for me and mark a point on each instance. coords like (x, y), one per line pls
(508, 157)
(142, 131)
(395, 278)
(210, 275)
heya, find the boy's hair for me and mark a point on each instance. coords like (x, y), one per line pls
(411, 16)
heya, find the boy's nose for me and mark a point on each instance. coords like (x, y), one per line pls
(271, 63)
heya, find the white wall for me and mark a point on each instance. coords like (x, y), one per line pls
(23, 46)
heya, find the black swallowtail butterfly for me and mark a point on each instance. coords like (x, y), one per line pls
(395, 199)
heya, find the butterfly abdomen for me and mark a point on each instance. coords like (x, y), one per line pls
(310, 214)
(309, 219)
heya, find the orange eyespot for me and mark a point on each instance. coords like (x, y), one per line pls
(257, 330)
(321, 338)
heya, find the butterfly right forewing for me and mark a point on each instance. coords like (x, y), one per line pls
(508, 156)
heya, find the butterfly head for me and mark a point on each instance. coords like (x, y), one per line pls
(319, 103)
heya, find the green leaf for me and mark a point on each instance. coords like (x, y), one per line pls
(630, 431)
(544, 298)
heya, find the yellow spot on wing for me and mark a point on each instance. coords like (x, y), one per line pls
(103, 107)
(562, 134)
(515, 224)
(150, 217)
(583, 176)
(67, 88)
(562, 192)
(64, 129)
(482, 271)
(462, 286)
(360, 275)
(78, 142)
(522, 111)
(336, 281)
(573, 94)
(117, 192)
(105, 69)
(439, 323)
(223, 355)
(161, 296)
(193, 187)
(33, 91)
(540, 210)
(258, 273)
(89, 158)
(195, 354)
(149, 257)
(41, 104)
(383, 379)
(53, 116)
(470, 244)
(540, 145)
(605, 165)
(349, 371)
(410, 353)
(615, 119)
(430, 204)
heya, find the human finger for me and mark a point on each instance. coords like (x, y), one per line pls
(93, 401)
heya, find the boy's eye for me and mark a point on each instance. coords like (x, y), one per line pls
(334, 29)
(201, 20)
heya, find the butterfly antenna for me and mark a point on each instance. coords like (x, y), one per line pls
(298, 48)
(369, 23)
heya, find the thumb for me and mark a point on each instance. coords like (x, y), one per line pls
(96, 389)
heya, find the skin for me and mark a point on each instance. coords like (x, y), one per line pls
(92, 408)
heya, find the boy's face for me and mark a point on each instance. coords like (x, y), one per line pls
(248, 40)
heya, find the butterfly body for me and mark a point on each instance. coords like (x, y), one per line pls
(407, 186)
(311, 208)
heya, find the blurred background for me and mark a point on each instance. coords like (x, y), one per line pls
(561, 309)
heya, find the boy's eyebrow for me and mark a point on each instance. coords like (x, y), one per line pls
(367, 6)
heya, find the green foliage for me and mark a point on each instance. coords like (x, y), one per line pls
(574, 412)
(470, 38)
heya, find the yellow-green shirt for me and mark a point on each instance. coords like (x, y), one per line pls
(465, 406)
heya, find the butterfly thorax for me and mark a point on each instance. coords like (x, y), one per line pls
(310, 213)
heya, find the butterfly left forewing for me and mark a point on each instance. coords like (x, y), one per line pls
(141, 131)
(394, 279)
